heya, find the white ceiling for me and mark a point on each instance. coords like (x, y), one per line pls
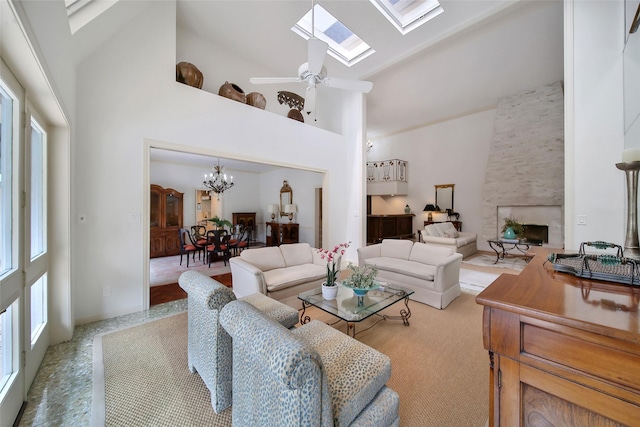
(462, 61)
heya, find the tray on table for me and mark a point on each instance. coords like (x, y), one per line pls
(606, 267)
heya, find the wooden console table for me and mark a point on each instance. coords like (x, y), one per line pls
(278, 234)
(562, 350)
(389, 227)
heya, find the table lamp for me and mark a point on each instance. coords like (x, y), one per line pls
(430, 208)
(290, 209)
(272, 209)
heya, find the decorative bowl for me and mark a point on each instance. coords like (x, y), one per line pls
(361, 291)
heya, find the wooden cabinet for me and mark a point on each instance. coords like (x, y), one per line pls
(278, 234)
(562, 351)
(456, 224)
(166, 212)
(246, 219)
(389, 227)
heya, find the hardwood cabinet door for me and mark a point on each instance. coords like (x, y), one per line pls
(156, 248)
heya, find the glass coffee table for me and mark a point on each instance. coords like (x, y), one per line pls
(352, 309)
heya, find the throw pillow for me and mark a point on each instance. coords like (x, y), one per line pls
(453, 234)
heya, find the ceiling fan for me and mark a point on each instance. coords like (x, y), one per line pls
(314, 73)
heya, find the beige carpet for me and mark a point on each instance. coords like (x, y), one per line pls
(439, 369)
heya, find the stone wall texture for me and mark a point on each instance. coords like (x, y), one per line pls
(526, 160)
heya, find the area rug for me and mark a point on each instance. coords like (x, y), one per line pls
(439, 369)
(475, 281)
(141, 378)
(485, 260)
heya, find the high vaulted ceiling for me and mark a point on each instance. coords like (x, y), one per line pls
(462, 61)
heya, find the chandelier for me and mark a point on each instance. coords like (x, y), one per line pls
(216, 182)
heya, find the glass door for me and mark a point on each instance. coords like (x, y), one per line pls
(36, 337)
(12, 386)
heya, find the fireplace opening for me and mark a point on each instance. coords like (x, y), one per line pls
(536, 232)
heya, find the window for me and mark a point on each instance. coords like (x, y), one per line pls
(81, 12)
(407, 15)
(344, 45)
(38, 306)
(37, 190)
(6, 182)
(6, 346)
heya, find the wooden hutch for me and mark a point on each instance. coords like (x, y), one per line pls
(166, 219)
(563, 351)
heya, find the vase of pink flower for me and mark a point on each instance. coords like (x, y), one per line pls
(332, 256)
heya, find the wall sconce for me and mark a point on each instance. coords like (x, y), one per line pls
(290, 209)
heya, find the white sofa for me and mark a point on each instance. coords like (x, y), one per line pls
(278, 271)
(432, 272)
(445, 234)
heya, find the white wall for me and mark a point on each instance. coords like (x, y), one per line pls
(594, 127)
(121, 115)
(219, 65)
(451, 152)
(243, 197)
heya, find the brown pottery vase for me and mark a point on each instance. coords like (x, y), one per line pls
(189, 74)
(257, 100)
(296, 115)
(232, 91)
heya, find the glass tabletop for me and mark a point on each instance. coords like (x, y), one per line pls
(345, 305)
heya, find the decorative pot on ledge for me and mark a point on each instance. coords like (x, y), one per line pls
(257, 100)
(189, 74)
(232, 91)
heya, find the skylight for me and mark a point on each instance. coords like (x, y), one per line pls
(407, 15)
(81, 12)
(344, 45)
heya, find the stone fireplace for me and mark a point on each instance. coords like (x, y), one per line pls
(525, 169)
(540, 222)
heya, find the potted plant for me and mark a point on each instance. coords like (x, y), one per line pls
(362, 279)
(220, 223)
(330, 286)
(512, 228)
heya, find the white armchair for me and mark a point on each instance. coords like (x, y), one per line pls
(445, 234)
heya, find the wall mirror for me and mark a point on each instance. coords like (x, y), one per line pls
(444, 196)
(286, 197)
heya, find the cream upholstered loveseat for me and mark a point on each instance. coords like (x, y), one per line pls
(432, 272)
(445, 234)
(278, 271)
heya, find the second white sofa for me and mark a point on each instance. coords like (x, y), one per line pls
(432, 272)
(278, 271)
(445, 234)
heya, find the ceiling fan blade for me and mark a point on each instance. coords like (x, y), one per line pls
(355, 85)
(270, 80)
(317, 52)
(310, 100)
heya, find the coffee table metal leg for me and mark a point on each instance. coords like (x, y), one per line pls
(406, 314)
(498, 253)
(304, 319)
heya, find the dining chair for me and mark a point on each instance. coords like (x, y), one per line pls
(218, 245)
(199, 239)
(186, 245)
(242, 242)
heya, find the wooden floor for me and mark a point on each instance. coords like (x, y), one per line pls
(173, 291)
